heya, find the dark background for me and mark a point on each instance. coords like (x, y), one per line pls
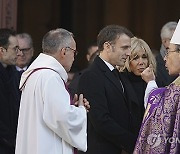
(85, 18)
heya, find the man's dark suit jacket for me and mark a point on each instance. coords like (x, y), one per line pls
(113, 119)
(163, 78)
(9, 109)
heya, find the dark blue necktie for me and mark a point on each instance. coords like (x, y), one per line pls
(116, 74)
(21, 72)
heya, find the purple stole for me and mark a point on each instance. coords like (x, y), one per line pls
(160, 129)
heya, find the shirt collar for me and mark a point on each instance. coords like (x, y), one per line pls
(21, 69)
(108, 64)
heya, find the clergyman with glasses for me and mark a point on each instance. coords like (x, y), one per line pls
(9, 100)
(160, 130)
(48, 120)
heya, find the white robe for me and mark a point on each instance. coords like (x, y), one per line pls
(47, 123)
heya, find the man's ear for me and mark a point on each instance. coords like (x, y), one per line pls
(2, 50)
(88, 57)
(165, 42)
(106, 45)
(62, 52)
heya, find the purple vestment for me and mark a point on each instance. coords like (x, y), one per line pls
(160, 130)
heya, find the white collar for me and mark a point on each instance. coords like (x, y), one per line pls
(21, 69)
(108, 64)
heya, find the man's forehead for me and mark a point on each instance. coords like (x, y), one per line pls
(124, 40)
(12, 38)
(123, 37)
(13, 41)
(23, 41)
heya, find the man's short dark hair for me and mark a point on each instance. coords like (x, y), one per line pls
(110, 34)
(4, 36)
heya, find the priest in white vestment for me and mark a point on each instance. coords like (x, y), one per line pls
(48, 123)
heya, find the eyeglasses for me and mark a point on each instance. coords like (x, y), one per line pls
(168, 51)
(25, 50)
(16, 49)
(75, 51)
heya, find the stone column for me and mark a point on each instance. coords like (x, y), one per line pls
(8, 14)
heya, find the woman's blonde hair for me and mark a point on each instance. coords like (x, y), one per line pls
(138, 44)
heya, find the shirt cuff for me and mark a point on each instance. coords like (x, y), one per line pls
(150, 86)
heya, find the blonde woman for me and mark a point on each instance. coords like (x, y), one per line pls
(140, 58)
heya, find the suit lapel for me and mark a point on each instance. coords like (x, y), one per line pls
(104, 68)
(114, 80)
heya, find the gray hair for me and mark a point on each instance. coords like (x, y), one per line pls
(168, 30)
(55, 40)
(27, 37)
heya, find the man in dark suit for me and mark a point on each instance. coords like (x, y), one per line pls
(111, 125)
(9, 98)
(163, 78)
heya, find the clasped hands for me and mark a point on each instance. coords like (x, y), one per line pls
(81, 101)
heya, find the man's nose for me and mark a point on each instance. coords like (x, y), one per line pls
(19, 52)
(128, 53)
